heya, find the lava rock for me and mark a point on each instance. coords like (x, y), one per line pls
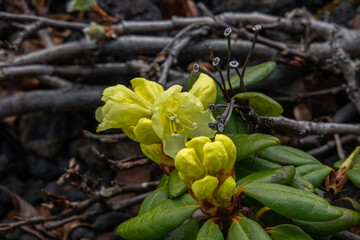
(81, 233)
(107, 222)
(43, 133)
(5, 203)
(42, 168)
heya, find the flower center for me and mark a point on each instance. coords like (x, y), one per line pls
(178, 124)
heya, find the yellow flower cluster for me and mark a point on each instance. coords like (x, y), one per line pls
(206, 167)
(150, 115)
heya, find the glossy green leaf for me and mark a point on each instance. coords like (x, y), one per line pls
(248, 144)
(276, 175)
(163, 181)
(251, 165)
(287, 155)
(318, 176)
(246, 229)
(348, 219)
(262, 104)
(159, 220)
(187, 231)
(193, 77)
(354, 176)
(255, 74)
(176, 186)
(291, 202)
(210, 231)
(287, 232)
(300, 182)
(154, 198)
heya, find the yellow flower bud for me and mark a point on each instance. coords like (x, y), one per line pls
(156, 154)
(129, 131)
(215, 157)
(204, 89)
(185, 179)
(226, 190)
(145, 133)
(204, 188)
(198, 144)
(189, 164)
(230, 149)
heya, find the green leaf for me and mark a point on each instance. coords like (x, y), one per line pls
(163, 181)
(348, 219)
(247, 145)
(210, 231)
(193, 77)
(354, 176)
(252, 164)
(317, 177)
(300, 182)
(176, 186)
(291, 202)
(276, 175)
(287, 155)
(154, 198)
(246, 229)
(288, 232)
(159, 220)
(187, 231)
(262, 104)
(255, 74)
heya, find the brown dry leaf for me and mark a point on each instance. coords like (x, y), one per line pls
(69, 227)
(22, 207)
(61, 16)
(185, 8)
(205, 64)
(31, 45)
(301, 112)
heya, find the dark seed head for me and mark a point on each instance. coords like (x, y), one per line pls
(234, 64)
(196, 67)
(227, 32)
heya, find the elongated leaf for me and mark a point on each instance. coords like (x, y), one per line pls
(176, 186)
(318, 176)
(300, 182)
(247, 145)
(291, 202)
(255, 74)
(193, 77)
(288, 232)
(159, 220)
(187, 231)
(163, 181)
(155, 198)
(210, 231)
(348, 219)
(246, 229)
(251, 165)
(287, 155)
(354, 176)
(276, 175)
(262, 104)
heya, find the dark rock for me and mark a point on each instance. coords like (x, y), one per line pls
(42, 168)
(81, 233)
(13, 183)
(3, 164)
(43, 133)
(108, 222)
(5, 203)
(32, 190)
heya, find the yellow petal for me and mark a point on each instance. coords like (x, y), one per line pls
(123, 114)
(226, 190)
(146, 89)
(145, 133)
(230, 149)
(120, 93)
(198, 144)
(188, 163)
(204, 89)
(185, 179)
(204, 188)
(215, 157)
(129, 131)
(156, 154)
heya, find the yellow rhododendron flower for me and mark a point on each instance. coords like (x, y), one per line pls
(125, 108)
(179, 116)
(188, 163)
(226, 190)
